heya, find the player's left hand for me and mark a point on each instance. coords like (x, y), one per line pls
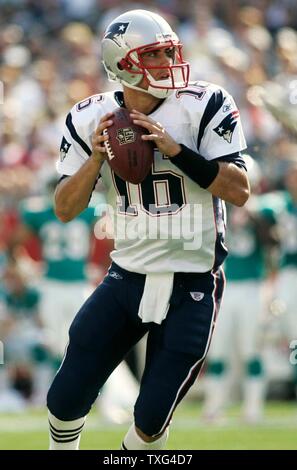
(165, 143)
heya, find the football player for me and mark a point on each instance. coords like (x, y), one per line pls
(166, 277)
(251, 241)
(65, 252)
(287, 222)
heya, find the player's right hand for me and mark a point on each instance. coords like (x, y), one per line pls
(98, 139)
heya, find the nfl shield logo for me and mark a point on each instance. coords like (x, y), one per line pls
(126, 135)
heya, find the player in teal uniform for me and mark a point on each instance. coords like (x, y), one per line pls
(286, 287)
(22, 334)
(65, 254)
(248, 240)
(65, 251)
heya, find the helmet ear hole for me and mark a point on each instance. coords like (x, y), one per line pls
(124, 64)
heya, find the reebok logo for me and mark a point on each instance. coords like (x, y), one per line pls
(115, 275)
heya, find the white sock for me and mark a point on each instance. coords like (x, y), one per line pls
(253, 398)
(216, 396)
(134, 442)
(64, 435)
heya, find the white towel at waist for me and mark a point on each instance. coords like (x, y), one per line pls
(154, 303)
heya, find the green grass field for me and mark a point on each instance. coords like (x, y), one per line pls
(278, 431)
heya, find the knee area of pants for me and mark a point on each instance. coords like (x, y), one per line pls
(57, 409)
(61, 408)
(149, 427)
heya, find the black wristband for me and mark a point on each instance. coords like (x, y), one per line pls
(200, 170)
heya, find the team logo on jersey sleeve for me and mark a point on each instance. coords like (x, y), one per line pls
(116, 32)
(226, 128)
(64, 148)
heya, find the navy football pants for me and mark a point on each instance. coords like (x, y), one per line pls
(106, 328)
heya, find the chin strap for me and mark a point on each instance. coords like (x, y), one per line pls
(157, 92)
(156, 89)
(160, 92)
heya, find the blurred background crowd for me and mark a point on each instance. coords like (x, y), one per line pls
(50, 59)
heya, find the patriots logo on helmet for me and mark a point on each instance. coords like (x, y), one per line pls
(64, 148)
(226, 128)
(116, 31)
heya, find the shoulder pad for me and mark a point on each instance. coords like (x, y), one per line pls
(86, 114)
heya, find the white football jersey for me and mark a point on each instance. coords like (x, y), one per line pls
(168, 223)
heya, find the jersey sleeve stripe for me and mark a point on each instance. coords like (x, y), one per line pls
(214, 104)
(75, 135)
